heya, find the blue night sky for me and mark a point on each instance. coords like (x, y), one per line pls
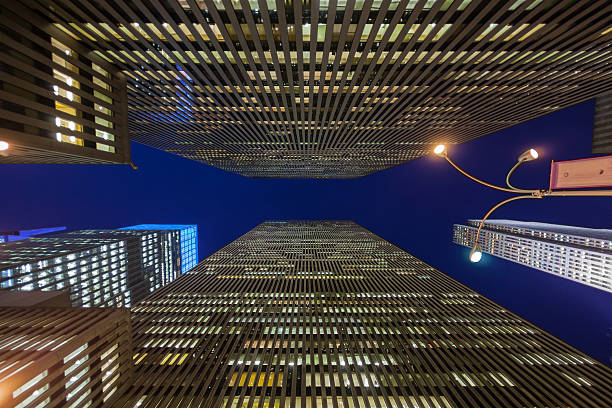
(413, 205)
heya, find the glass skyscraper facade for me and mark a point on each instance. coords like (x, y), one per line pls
(583, 255)
(328, 314)
(98, 267)
(188, 241)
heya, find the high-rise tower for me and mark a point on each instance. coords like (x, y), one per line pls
(188, 238)
(6, 236)
(294, 88)
(99, 267)
(59, 357)
(583, 255)
(327, 314)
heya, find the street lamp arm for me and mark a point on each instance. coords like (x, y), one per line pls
(510, 174)
(496, 206)
(484, 183)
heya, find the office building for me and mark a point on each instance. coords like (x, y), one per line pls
(188, 236)
(34, 298)
(64, 358)
(99, 267)
(6, 236)
(298, 89)
(328, 314)
(580, 254)
(60, 102)
(96, 271)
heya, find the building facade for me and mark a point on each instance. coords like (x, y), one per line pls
(295, 88)
(60, 102)
(602, 125)
(583, 255)
(63, 357)
(327, 314)
(6, 236)
(188, 237)
(99, 267)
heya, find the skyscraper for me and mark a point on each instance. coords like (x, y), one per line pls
(188, 237)
(96, 271)
(99, 267)
(580, 254)
(63, 357)
(6, 236)
(327, 314)
(297, 88)
(60, 102)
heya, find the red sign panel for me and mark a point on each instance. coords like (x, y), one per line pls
(581, 173)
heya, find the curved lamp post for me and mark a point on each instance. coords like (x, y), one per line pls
(527, 156)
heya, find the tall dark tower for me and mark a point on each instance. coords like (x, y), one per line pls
(327, 314)
(293, 88)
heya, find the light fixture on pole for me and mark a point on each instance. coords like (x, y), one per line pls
(476, 253)
(578, 167)
(4, 148)
(440, 149)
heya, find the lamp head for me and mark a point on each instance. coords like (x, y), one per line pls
(528, 155)
(476, 253)
(440, 150)
(4, 148)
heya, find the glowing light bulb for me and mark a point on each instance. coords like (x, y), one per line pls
(3, 145)
(439, 149)
(476, 254)
(528, 155)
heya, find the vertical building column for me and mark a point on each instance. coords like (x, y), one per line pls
(602, 125)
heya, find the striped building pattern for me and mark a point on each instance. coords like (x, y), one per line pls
(309, 88)
(327, 314)
(63, 357)
(583, 255)
(602, 125)
(59, 102)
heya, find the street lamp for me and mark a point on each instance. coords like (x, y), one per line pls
(440, 149)
(4, 148)
(476, 253)
(527, 156)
